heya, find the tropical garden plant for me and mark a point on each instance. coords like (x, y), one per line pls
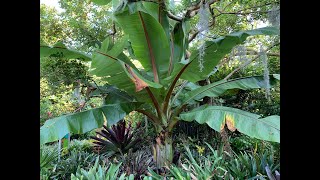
(138, 163)
(47, 156)
(98, 172)
(118, 139)
(153, 72)
(69, 163)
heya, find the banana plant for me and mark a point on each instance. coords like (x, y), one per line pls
(145, 67)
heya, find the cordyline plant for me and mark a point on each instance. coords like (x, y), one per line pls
(161, 49)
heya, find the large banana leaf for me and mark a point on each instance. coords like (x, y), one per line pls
(155, 10)
(218, 88)
(216, 117)
(110, 64)
(148, 40)
(79, 123)
(215, 51)
(116, 96)
(105, 61)
(180, 42)
(60, 50)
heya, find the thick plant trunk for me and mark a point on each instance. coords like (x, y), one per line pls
(225, 141)
(162, 149)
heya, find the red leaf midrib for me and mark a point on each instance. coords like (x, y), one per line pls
(154, 68)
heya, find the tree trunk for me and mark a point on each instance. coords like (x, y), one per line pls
(162, 149)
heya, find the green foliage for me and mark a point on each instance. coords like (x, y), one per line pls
(83, 137)
(51, 27)
(59, 71)
(243, 143)
(254, 100)
(76, 28)
(134, 118)
(215, 165)
(44, 176)
(245, 165)
(202, 168)
(212, 164)
(52, 103)
(47, 156)
(80, 145)
(86, 24)
(70, 162)
(56, 101)
(59, 76)
(98, 172)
